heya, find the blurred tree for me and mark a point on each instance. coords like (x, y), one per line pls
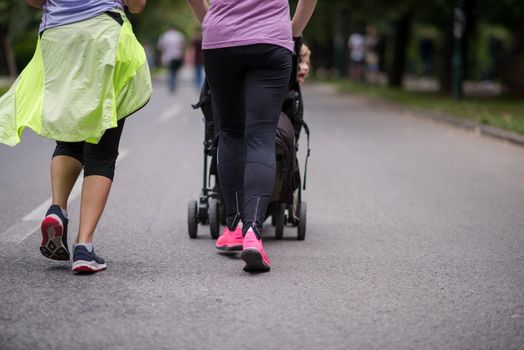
(402, 36)
(13, 17)
(395, 18)
(159, 15)
(19, 25)
(509, 13)
(327, 32)
(18, 35)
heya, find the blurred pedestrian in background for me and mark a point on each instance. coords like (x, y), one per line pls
(171, 45)
(198, 57)
(87, 75)
(248, 61)
(150, 55)
(372, 54)
(357, 54)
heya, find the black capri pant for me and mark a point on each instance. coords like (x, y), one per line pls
(97, 159)
(248, 85)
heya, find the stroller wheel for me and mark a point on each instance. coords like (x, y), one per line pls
(279, 215)
(192, 223)
(301, 228)
(214, 218)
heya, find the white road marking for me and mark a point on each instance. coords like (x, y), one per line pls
(19, 231)
(39, 212)
(170, 113)
(31, 222)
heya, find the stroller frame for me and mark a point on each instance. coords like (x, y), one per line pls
(210, 209)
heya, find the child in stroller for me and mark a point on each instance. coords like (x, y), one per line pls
(286, 205)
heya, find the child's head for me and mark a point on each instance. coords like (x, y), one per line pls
(304, 64)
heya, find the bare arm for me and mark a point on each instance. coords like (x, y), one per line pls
(302, 15)
(35, 3)
(135, 6)
(199, 8)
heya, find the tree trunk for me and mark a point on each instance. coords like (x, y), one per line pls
(511, 65)
(3, 56)
(444, 71)
(7, 57)
(445, 67)
(10, 57)
(470, 11)
(402, 34)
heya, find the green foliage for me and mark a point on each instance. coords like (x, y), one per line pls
(15, 16)
(483, 57)
(24, 47)
(327, 32)
(160, 15)
(3, 90)
(8, 8)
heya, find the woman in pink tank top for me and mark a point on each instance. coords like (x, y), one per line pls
(247, 47)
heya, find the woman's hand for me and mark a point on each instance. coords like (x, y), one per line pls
(302, 15)
(199, 8)
(135, 6)
(35, 3)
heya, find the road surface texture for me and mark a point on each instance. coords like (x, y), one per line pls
(415, 240)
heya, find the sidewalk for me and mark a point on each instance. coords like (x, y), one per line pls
(487, 113)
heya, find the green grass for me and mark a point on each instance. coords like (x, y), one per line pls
(3, 89)
(504, 113)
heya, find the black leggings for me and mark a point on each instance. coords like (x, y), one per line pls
(97, 159)
(248, 85)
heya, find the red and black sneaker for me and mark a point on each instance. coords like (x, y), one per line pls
(54, 234)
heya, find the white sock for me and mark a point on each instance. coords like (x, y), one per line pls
(64, 212)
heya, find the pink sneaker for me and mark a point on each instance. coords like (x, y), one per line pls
(253, 253)
(230, 240)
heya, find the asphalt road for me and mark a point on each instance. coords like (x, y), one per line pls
(415, 240)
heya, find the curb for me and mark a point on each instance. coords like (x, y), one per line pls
(478, 128)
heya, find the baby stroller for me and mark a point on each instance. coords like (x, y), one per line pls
(286, 206)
